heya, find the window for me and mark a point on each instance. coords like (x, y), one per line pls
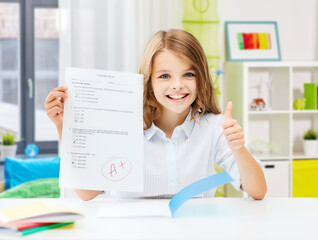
(29, 44)
(45, 69)
(10, 68)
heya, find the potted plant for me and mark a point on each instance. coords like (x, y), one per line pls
(310, 143)
(8, 146)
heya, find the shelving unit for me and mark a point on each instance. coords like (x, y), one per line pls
(279, 84)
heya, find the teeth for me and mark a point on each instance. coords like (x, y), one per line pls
(177, 96)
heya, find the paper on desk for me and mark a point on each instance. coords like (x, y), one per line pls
(102, 138)
(162, 209)
(124, 209)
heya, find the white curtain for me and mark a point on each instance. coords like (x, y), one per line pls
(111, 34)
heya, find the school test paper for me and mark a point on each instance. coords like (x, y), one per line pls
(102, 137)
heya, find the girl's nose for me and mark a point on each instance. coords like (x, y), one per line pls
(177, 84)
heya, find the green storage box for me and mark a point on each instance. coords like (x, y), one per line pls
(310, 93)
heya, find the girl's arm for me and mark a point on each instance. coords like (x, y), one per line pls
(252, 176)
(87, 195)
(54, 109)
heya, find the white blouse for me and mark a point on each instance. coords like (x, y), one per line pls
(190, 155)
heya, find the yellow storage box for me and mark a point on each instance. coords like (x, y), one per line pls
(305, 178)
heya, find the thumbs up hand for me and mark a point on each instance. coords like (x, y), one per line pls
(232, 130)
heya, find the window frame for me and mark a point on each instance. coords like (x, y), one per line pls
(26, 69)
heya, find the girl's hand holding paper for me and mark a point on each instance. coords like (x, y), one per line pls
(54, 105)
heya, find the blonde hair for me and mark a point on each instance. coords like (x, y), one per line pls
(184, 45)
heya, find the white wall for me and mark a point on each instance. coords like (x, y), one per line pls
(297, 23)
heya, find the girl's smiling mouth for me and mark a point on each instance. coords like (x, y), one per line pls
(177, 97)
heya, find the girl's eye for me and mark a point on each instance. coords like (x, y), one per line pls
(164, 76)
(188, 74)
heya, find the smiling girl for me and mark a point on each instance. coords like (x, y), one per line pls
(184, 132)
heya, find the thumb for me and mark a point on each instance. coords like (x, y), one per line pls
(228, 112)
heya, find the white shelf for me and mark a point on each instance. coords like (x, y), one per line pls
(281, 129)
(305, 111)
(284, 112)
(269, 112)
(300, 155)
(271, 158)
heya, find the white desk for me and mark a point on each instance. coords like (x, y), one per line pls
(226, 218)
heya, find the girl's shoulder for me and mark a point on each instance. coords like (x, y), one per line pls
(211, 118)
(209, 122)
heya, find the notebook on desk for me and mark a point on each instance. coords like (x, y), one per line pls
(40, 211)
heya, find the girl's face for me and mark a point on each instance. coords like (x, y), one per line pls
(174, 82)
